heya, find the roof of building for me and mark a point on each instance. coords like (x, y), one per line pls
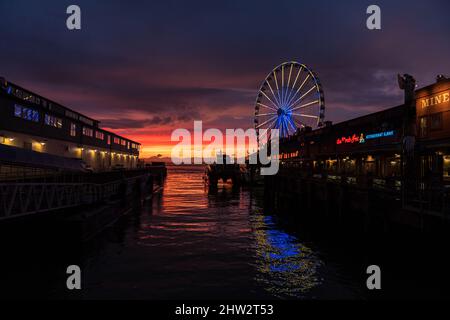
(95, 123)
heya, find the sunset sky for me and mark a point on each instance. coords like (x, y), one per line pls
(147, 68)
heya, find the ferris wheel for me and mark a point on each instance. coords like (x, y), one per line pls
(290, 98)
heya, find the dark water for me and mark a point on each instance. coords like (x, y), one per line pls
(192, 243)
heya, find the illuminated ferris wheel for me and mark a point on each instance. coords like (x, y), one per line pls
(291, 97)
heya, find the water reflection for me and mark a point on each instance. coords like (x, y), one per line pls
(195, 242)
(285, 266)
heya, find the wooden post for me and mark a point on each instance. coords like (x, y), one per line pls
(408, 84)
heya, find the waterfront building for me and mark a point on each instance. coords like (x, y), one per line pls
(37, 133)
(378, 149)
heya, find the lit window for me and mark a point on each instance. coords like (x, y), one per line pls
(18, 111)
(100, 135)
(18, 93)
(116, 140)
(423, 127)
(26, 113)
(53, 121)
(447, 166)
(73, 129)
(88, 132)
(109, 139)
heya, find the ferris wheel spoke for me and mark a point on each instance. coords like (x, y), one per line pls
(305, 115)
(299, 125)
(292, 124)
(265, 95)
(266, 106)
(288, 127)
(276, 83)
(271, 126)
(273, 94)
(287, 92)
(278, 126)
(283, 92)
(266, 122)
(298, 90)
(305, 105)
(289, 78)
(281, 126)
(301, 98)
(295, 82)
(265, 114)
(283, 129)
(296, 78)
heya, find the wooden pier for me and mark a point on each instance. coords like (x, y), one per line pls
(85, 202)
(365, 206)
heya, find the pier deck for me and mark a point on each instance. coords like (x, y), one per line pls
(65, 191)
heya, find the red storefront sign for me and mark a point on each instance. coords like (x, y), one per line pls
(351, 139)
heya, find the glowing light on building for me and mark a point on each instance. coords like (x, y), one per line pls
(380, 135)
(351, 139)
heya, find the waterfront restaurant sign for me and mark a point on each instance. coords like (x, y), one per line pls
(380, 135)
(361, 138)
(435, 100)
(351, 139)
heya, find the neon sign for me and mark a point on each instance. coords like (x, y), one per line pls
(361, 139)
(351, 139)
(380, 135)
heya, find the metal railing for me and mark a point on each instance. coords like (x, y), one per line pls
(19, 199)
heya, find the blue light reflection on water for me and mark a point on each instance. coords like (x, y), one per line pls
(287, 268)
(192, 243)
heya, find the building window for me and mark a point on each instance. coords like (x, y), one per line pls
(436, 121)
(26, 113)
(53, 121)
(28, 97)
(100, 135)
(423, 127)
(109, 139)
(123, 142)
(18, 93)
(86, 120)
(71, 114)
(88, 132)
(73, 129)
(447, 167)
(116, 140)
(18, 111)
